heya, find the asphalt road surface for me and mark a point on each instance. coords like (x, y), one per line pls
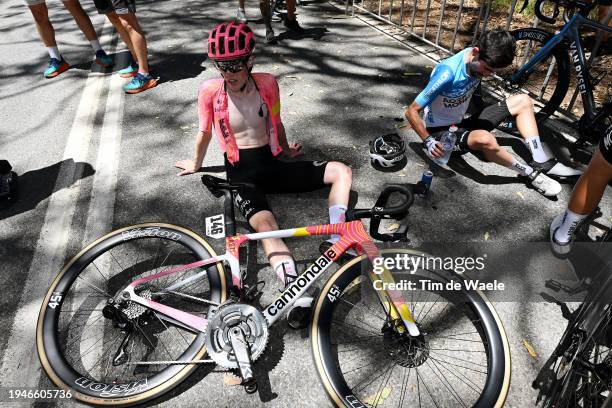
(92, 159)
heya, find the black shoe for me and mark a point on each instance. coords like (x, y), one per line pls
(298, 317)
(8, 189)
(270, 37)
(294, 26)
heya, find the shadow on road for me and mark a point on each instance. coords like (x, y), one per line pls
(37, 185)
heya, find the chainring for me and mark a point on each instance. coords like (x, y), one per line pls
(249, 319)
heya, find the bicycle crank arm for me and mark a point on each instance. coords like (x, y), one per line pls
(243, 356)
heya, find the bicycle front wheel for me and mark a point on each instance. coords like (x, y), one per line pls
(461, 359)
(547, 85)
(127, 354)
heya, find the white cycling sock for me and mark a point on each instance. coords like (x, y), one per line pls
(95, 44)
(285, 270)
(337, 214)
(571, 220)
(54, 53)
(535, 146)
(520, 168)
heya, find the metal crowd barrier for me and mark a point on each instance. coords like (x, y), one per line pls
(446, 25)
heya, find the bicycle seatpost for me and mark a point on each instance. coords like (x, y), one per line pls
(228, 212)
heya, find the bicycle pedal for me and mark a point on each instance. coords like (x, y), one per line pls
(565, 312)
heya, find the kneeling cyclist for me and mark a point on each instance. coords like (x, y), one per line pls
(445, 101)
(244, 109)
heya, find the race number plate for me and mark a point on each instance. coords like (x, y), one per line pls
(215, 226)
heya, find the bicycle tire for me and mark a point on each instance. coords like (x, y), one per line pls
(548, 98)
(324, 329)
(90, 382)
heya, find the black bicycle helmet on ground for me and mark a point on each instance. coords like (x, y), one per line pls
(387, 150)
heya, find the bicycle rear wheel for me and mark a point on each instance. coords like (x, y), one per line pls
(547, 85)
(122, 355)
(461, 359)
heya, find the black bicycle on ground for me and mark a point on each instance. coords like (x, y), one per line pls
(578, 374)
(544, 67)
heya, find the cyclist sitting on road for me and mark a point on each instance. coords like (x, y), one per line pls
(586, 196)
(244, 109)
(446, 98)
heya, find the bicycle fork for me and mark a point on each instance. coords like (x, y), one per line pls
(394, 304)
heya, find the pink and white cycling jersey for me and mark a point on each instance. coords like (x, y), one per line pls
(213, 110)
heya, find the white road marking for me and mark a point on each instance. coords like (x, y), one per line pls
(20, 358)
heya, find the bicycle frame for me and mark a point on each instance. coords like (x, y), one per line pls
(571, 32)
(352, 235)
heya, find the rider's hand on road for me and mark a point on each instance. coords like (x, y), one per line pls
(188, 166)
(295, 150)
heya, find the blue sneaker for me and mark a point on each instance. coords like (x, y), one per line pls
(140, 83)
(129, 71)
(56, 67)
(103, 59)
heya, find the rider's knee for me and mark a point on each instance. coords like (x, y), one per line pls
(340, 172)
(263, 222)
(484, 141)
(522, 102)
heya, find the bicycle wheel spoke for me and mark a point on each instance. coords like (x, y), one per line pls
(369, 310)
(426, 389)
(444, 382)
(358, 327)
(103, 292)
(465, 379)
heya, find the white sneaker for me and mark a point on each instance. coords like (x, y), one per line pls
(544, 184)
(241, 16)
(559, 249)
(554, 167)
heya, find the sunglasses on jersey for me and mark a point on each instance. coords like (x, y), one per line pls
(233, 66)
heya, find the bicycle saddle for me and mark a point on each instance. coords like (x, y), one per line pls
(217, 185)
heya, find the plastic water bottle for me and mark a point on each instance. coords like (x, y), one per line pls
(448, 141)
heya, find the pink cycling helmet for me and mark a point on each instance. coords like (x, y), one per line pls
(230, 41)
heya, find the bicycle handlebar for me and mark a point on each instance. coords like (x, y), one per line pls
(382, 211)
(583, 7)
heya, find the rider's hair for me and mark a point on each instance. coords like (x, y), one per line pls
(496, 48)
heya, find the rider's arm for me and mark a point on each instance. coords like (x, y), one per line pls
(201, 146)
(441, 79)
(205, 116)
(291, 150)
(412, 113)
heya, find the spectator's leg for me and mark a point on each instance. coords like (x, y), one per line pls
(43, 25)
(82, 19)
(123, 32)
(137, 37)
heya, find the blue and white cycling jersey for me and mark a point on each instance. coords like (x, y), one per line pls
(448, 93)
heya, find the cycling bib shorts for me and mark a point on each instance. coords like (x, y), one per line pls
(271, 175)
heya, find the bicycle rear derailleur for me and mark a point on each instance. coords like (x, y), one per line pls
(236, 336)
